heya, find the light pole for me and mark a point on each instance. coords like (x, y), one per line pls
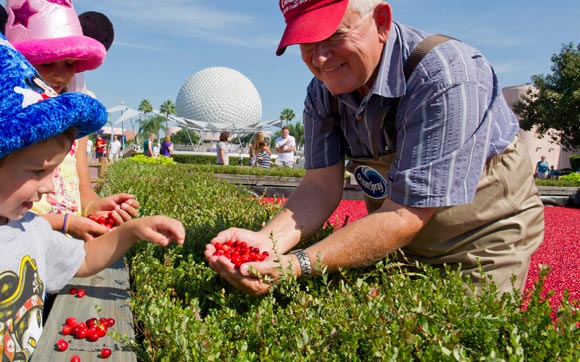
(123, 127)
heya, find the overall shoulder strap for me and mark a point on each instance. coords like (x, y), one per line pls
(421, 50)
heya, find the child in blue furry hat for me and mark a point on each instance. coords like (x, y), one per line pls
(37, 128)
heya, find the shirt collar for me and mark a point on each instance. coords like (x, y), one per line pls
(390, 82)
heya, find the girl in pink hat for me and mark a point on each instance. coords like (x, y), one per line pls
(51, 36)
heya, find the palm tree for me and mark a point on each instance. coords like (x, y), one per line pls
(151, 125)
(286, 116)
(167, 108)
(145, 107)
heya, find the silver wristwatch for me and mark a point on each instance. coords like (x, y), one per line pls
(304, 261)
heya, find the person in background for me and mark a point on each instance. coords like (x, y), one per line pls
(430, 139)
(89, 149)
(37, 129)
(285, 147)
(167, 147)
(148, 145)
(53, 41)
(263, 156)
(156, 149)
(114, 149)
(258, 137)
(542, 168)
(554, 174)
(100, 147)
(223, 157)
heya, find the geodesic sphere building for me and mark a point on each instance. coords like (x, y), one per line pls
(219, 95)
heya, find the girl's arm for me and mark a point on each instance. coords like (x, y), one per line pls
(88, 195)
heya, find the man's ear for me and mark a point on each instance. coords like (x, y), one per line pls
(3, 19)
(383, 20)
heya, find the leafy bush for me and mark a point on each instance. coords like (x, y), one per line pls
(151, 160)
(184, 312)
(573, 178)
(237, 170)
(575, 162)
(208, 159)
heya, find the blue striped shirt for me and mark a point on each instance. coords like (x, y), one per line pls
(451, 118)
(265, 160)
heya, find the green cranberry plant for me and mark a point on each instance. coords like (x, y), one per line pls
(391, 311)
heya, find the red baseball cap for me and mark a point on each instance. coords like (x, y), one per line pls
(310, 21)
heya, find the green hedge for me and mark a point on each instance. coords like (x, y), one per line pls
(575, 162)
(207, 159)
(184, 312)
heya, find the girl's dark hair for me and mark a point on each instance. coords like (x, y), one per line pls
(224, 136)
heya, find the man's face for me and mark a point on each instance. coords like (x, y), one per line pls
(346, 60)
(25, 177)
(285, 133)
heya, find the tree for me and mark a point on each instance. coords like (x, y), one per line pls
(167, 108)
(183, 137)
(552, 105)
(145, 107)
(286, 116)
(152, 124)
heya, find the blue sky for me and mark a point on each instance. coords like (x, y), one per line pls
(160, 44)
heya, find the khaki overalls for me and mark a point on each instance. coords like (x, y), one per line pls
(501, 228)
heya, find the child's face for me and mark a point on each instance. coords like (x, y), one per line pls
(57, 74)
(25, 176)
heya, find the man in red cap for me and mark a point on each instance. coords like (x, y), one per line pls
(427, 134)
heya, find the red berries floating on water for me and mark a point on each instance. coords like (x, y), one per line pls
(108, 221)
(239, 252)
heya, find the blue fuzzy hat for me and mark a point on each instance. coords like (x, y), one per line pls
(31, 111)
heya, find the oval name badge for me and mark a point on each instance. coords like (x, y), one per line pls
(371, 182)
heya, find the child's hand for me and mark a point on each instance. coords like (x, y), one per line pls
(159, 229)
(124, 207)
(81, 227)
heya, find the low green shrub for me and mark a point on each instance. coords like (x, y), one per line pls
(208, 159)
(575, 162)
(183, 311)
(572, 178)
(141, 158)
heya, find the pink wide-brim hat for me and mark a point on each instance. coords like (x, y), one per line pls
(49, 30)
(310, 21)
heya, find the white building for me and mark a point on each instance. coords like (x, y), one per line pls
(537, 147)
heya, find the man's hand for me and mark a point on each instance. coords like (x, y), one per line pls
(254, 278)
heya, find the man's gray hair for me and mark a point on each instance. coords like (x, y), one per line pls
(363, 7)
